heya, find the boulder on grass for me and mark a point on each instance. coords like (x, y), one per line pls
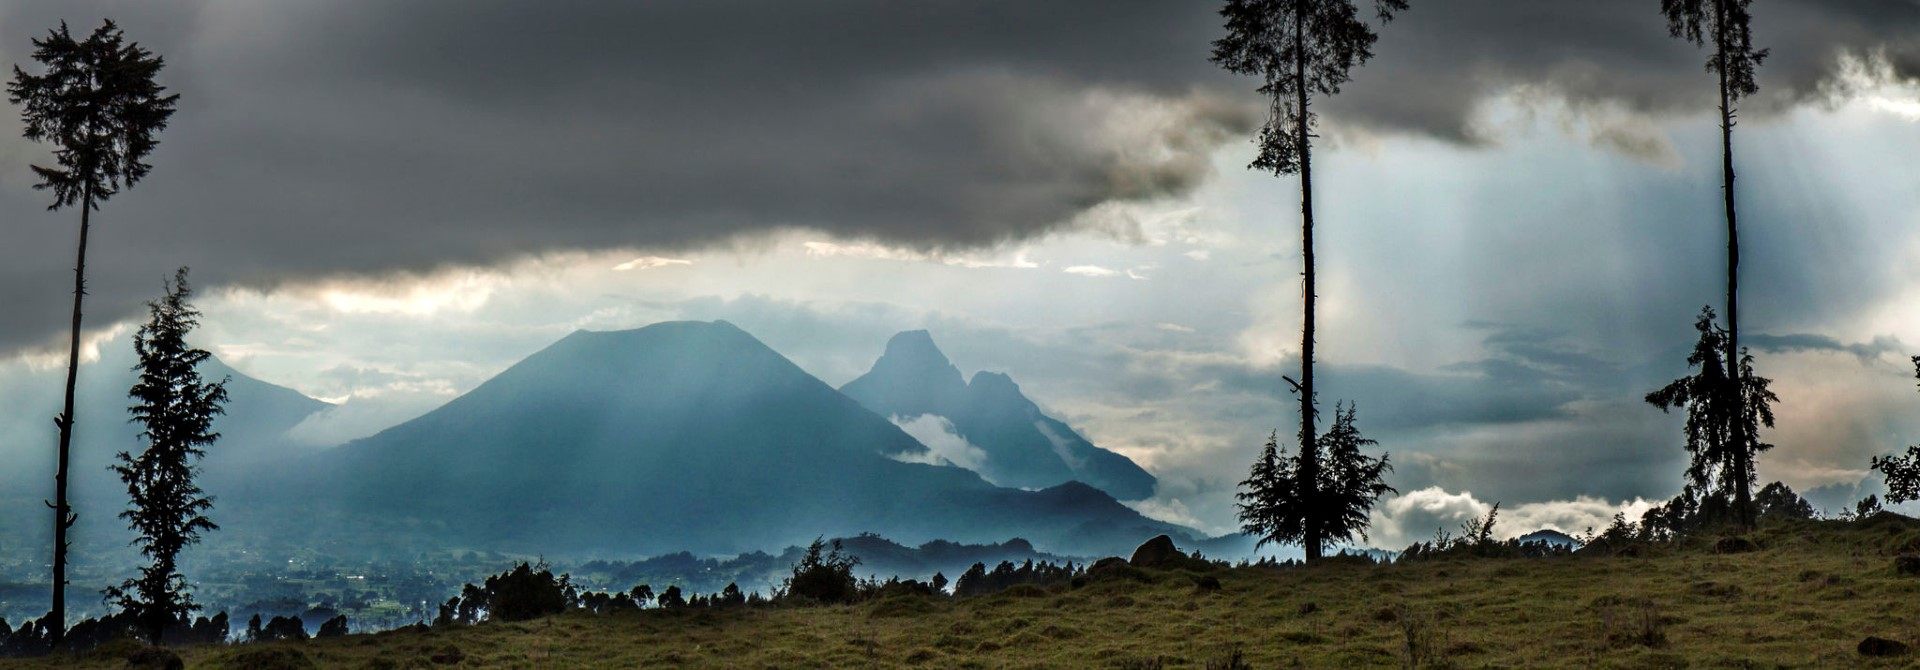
(1158, 552)
(1734, 544)
(1880, 646)
(1907, 564)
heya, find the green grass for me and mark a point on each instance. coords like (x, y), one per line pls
(1805, 599)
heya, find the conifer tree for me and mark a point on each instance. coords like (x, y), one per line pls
(1299, 49)
(1349, 483)
(98, 104)
(1726, 26)
(175, 409)
(1724, 417)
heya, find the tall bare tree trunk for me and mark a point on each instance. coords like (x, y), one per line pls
(1743, 457)
(1309, 445)
(63, 516)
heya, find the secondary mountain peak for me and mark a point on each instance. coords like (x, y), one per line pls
(1024, 447)
(915, 345)
(913, 377)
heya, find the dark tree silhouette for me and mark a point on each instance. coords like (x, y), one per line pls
(671, 598)
(528, 591)
(1779, 501)
(823, 575)
(1901, 472)
(175, 409)
(1348, 484)
(1298, 49)
(1726, 27)
(1724, 418)
(334, 627)
(98, 104)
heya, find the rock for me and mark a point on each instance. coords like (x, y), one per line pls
(154, 658)
(1106, 564)
(1158, 552)
(1880, 646)
(267, 658)
(448, 655)
(1907, 564)
(1734, 544)
(1115, 567)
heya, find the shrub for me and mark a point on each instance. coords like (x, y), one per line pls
(334, 627)
(823, 575)
(1233, 658)
(1627, 622)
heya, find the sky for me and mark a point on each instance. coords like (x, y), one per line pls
(1518, 207)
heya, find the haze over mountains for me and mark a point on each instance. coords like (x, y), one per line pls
(689, 436)
(680, 436)
(254, 431)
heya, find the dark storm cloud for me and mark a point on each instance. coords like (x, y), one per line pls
(364, 137)
(1441, 60)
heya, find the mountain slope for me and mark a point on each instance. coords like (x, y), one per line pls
(253, 438)
(254, 428)
(685, 436)
(1024, 447)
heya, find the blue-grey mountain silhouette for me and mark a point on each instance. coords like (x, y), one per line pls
(687, 436)
(1023, 446)
(253, 431)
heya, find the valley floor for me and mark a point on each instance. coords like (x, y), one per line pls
(1806, 599)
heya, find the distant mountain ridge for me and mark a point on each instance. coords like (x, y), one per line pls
(685, 436)
(1023, 446)
(254, 428)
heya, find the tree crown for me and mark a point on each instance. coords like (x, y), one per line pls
(1298, 48)
(98, 104)
(1726, 25)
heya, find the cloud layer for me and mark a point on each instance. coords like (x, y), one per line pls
(317, 140)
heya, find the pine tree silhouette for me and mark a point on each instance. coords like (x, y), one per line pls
(97, 103)
(1726, 25)
(1299, 49)
(1724, 417)
(1272, 508)
(175, 409)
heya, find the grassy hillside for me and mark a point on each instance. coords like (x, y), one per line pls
(1805, 599)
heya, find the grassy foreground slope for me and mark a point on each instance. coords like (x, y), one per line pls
(1806, 598)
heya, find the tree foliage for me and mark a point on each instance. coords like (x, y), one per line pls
(1779, 501)
(1723, 418)
(98, 104)
(1902, 472)
(979, 581)
(1298, 49)
(175, 409)
(1275, 505)
(526, 592)
(1725, 25)
(823, 575)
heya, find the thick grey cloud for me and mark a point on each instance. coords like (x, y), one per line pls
(359, 137)
(1440, 61)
